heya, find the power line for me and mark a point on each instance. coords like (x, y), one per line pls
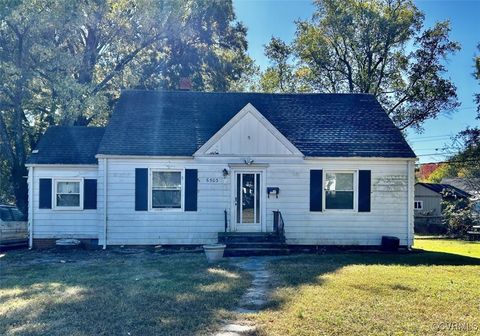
(433, 136)
(429, 140)
(456, 161)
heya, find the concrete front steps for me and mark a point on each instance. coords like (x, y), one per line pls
(241, 244)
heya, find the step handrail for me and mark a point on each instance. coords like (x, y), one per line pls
(225, 217)
(278, 223)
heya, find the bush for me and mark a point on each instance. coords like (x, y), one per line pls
(458, 216)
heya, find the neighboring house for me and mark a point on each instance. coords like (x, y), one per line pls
(428, 202)
(470, 185)
(180, 167)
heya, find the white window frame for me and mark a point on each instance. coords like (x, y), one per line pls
(54, 195)
(150, 189)
(355, 190)
(420, 203)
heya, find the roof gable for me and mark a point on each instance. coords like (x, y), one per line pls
(156, 123)
(248, 133)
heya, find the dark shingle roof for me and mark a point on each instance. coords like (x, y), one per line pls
(440, 187)
(68, 145)
(178, 123)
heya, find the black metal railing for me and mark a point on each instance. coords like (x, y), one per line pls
(225, 217)
(278, 223)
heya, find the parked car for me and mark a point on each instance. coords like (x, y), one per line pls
(13, 226)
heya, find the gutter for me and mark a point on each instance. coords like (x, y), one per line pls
(409, 204)
(105, 216)
(31, 207)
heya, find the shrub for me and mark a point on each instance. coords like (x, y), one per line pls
(458, 216)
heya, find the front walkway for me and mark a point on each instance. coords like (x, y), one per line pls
(255, 297)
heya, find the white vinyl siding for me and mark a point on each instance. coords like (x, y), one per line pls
(388, 216)
(51, 223)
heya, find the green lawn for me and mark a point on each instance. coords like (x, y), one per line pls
(436, 292)
(465, 248)
(100, 293)
(430, 292)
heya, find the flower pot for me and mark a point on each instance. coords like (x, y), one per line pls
(214, 252)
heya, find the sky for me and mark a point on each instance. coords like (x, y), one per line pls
(267, 18)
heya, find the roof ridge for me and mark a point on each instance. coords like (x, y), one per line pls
(250, 93)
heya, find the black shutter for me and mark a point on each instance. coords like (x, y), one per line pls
(364, 190)
(90, 194)
(191, 189)
(45, 194)
(316, 190)
(141, 189)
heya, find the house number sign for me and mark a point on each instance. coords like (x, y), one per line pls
(213, 180)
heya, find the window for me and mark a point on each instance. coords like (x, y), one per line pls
(17, 215)
(418, 205)
(68, 194)
(6, 215)
(166, 190)
(339, 190)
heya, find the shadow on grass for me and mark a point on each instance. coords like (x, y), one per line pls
(305, 269)
(119, 295)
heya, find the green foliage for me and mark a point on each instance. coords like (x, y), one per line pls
(360, 46)
(279, 77)
(458, 216)
(477, 76)
(65, 62)
(443, 171)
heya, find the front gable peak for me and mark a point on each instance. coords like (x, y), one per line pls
(248, 133)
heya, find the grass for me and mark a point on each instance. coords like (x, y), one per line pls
(461, 247)
(436, 292)
(431, 292)
(105, 293)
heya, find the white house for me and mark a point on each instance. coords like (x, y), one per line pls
(180, 167)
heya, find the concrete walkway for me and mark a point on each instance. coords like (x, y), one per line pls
(254, 299)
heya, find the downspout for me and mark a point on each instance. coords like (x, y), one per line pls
(31, 206)
(105, 216)
(409, 204)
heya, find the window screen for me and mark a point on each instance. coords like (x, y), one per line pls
(166, 190)
(68, 194)
(339, 190)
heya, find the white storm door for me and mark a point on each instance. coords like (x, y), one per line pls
(248, 205)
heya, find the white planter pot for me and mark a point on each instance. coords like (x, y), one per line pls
(214, 252)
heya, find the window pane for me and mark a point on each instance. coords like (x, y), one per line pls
(248, 198)
(5, 215)
(339, 200)
(166, 199)
(238, 200)
(339, 181)
(68, 187)
(257, 199)
(167, 180)
(68, 200)
(18, 215)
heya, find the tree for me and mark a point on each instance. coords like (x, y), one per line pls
(466, 163)
(477, 76)
(65, 62)
(442, 171)
(279, 76)
(361, 46)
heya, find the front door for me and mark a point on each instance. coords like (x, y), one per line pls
(247, 202)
